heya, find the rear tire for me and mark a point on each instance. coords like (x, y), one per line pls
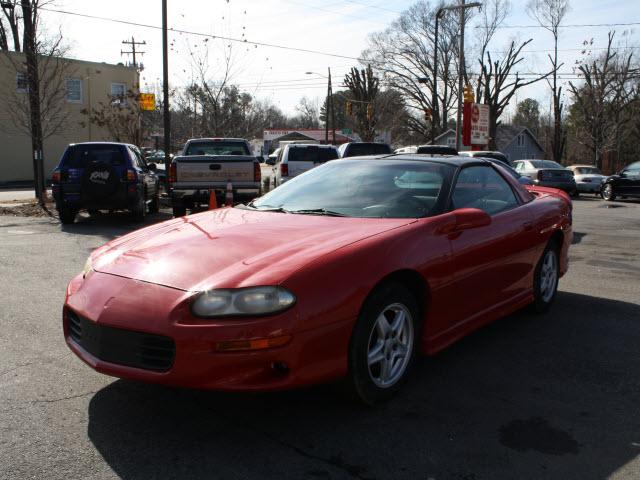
(154, 206)
(545, 278)
(139, 211)
(67, 215)
(384, 343)
(608, 193)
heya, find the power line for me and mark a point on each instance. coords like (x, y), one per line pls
(576, 25)
(200, 34)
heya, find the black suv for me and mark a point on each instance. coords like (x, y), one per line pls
(104, 176)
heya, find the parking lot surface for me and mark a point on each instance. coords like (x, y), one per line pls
(529, 397)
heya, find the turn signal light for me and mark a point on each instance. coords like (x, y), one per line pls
(131, 176)
(173, 173)
(55, 177)
(257, 344)
(257, 173)
(284, 169)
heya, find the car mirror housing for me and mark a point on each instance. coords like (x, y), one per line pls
(260, 158)
(469, 218)
(152, 167)
(271, 161)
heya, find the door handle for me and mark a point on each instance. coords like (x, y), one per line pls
(527, 226)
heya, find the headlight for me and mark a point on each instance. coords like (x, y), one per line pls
(242, 302)
(87, 267)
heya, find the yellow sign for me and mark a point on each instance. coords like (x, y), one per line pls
(147, 101)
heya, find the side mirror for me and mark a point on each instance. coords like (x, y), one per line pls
(468, 218)
(270, 161)
(152, 166)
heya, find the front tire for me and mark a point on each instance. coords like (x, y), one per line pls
(608, 193)
(545, 279)
(154, 206)
(139, 211)
(384, 343)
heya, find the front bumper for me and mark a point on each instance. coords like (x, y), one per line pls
(311, 356)
(190, 195)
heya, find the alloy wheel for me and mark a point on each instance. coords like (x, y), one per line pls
(390, 345)
(548, 276)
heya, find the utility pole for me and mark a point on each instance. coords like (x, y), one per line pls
(33, 82)
(460, 75)
(326, 113)
(133, 51)
(165, 94)
(333, 112)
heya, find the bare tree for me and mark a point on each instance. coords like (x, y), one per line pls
(549, 14)
(364, 87)
(603, 103)
(11, 13)
(498, 82)
(308, 116)
(120, 116)
(403, 53)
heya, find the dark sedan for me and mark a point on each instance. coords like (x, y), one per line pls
(625, 183)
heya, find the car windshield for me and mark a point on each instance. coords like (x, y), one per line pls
(217, 147)
(312, 154)
(545, 164)
(368, 189)
(79, 156)
(363, 149)
(587, 171)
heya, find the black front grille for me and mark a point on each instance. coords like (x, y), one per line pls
(120, 346)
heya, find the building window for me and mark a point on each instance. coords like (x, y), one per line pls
(119, 93)
(21, 82)
(74, 90)
(520, 140)
(451, 141)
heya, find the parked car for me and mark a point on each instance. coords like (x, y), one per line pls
(361, 149)
(625, 183)
(436, 150)
(297, 158)
(522, 180)
(588, 178)
(208, 164)
(104, 176)
(351, 269)
(409, 149)
(547, 173)
(487, 154)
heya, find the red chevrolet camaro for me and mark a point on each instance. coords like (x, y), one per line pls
(350, 270)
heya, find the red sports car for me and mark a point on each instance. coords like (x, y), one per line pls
(350, 270)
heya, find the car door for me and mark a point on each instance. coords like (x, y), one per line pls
(493, 264)
(149, 179)
(629, 181)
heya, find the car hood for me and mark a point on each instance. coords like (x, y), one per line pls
(231, 247)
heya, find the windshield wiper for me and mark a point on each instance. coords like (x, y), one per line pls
(267, 208)
(319, 211)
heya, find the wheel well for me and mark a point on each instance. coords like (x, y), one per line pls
(411, 279)
(557, 238)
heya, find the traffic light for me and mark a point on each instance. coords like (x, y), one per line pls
(370, 111)
(349, 108)
(468, 94)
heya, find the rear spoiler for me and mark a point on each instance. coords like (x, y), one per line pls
(550, 191)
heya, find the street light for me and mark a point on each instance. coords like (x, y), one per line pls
(329, 104)
(434, 94)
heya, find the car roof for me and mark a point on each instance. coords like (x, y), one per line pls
(217, 139)
(456, 161)
(102, 143)
(581, 165)
(309, 145)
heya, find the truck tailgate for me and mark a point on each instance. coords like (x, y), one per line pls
(205, 170)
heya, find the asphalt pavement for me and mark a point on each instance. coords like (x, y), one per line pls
(529, 397)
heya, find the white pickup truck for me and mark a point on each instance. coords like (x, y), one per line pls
(207, 164)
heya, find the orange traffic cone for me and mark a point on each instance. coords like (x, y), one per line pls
(229, 195)
(213, 202)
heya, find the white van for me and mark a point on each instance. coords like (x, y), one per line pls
(296, 158)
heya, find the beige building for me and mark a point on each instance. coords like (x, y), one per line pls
(69, 87)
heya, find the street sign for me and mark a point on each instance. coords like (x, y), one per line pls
(147, 101)
(479, 124)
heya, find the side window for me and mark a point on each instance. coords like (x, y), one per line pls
(484, 188)
(280, 155)
(138, 161)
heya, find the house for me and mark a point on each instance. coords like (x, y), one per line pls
(517, 143)
(69, 87)
(272, 137)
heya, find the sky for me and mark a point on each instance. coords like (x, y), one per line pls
(339, 27)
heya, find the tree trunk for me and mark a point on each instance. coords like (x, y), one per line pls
(33, 82)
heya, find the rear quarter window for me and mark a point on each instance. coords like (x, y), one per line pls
(311, 154)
